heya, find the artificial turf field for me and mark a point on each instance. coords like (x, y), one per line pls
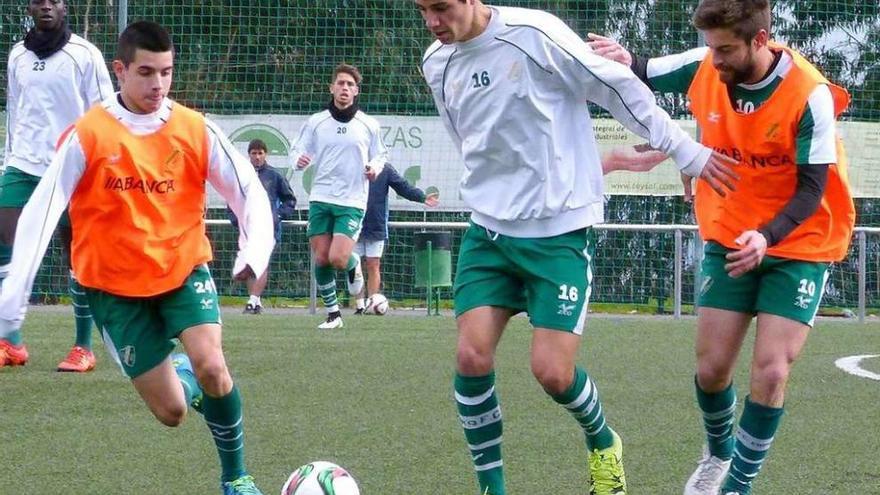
(376, 398)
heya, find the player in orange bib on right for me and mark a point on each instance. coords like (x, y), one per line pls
(771, 241)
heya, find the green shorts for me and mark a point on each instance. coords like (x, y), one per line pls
(17, 187)
(549, 278)
(138, 330)
(789, 288)
(326, 218)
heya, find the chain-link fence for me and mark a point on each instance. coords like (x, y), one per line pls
(236, 57)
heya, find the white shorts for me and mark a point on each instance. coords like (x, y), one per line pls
(368, 248)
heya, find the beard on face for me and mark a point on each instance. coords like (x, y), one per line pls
(737, 75)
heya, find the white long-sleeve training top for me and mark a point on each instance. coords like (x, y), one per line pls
(514, 99)
(340, 152)
(45, 96)
(229, 172)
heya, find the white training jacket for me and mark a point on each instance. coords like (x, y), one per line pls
(229, 172)
(514, 99)
(340, 152)
(44, 97)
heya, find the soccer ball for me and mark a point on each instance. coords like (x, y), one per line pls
(378, 304)
(320, 478)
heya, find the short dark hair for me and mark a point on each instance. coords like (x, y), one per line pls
(257, 144)
(744, 17)
(145, 35)
(347, 69)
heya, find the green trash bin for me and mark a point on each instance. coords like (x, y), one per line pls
(433, 262)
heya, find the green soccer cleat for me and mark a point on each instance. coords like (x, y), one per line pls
(606, 469)
(242, 486)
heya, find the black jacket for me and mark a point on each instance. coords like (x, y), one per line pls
(375, 226)
(281, 197)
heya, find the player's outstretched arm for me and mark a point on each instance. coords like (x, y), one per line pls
(609, 48)
(35, 227)
(234, 178)
(402, 186)
(615, 88)
(638, 158)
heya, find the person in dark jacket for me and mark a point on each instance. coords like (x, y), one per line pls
(283, 203)
(374, 232)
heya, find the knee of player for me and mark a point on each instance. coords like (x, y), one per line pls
(712, 375)
(554, 379)
(472, 361)
(773, 372)
(171, 415)
(213, 376)
(339, 262)
(321, 259)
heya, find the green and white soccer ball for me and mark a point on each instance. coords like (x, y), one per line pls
(377, 304)
(320, 478)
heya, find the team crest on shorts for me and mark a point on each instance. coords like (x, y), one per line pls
(707, 284)
(127, 355)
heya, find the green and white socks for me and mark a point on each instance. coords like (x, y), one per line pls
(480, 416)
(223, 416)
(325, 276)
(224, 419)
(718, 411)
(582, 401)
(81, 312)
(754, 436)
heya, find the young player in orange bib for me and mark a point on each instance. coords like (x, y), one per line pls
(133, 170)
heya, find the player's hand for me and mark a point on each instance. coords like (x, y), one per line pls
(370, 172)
(688, 182)
(608, 48)
(303, 161)
(639, 158)
(432, 200)
(246, 274)
(718, 173)
(749, 256)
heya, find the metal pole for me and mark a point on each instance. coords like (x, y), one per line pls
(863, 264)
(677, 287)
(122, 14)
(698, 269)
(313, 286)
(430, 280)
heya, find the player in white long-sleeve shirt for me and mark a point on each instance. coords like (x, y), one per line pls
(511, 86)
(54, 76)
(133, 170)
(345, 146)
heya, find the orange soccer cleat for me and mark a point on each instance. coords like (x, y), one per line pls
(12, 355)
(78, 360)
